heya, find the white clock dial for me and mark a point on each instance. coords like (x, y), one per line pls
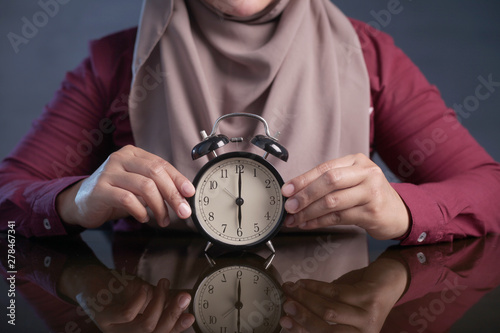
(238, 200)
(238, 299)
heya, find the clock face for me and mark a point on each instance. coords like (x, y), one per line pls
(238, 200)
(238, 299)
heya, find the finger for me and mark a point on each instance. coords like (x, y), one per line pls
(294, 327)
(327, 210)
(120, 313)
(325, 289)
(327, 309)
(327, 183)
(173, 319)
(172, 185)
(156, 166)
(122, 199)
(148, 321)
(145, 188)
(300, 182)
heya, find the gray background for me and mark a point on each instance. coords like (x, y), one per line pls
(452, 41)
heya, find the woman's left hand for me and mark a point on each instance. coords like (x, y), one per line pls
(351, 190)
(359, 301)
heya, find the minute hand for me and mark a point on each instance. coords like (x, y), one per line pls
(239, 200)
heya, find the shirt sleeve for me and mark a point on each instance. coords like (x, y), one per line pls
(449, 182)
(65, 144)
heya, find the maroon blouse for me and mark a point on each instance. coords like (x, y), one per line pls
(449, 183)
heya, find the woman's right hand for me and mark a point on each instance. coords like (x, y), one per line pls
(130, 180)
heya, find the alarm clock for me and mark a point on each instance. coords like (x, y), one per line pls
(238, 202)
(238, 294)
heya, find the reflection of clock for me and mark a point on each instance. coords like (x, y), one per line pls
(238, 295)
(238, 201)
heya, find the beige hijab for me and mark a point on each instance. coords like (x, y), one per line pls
(293, 64)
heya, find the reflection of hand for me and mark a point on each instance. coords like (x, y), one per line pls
(351, 190)
(118, 302)
(128, 181)
(359, 301)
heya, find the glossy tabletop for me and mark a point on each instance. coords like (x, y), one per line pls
(339, 279)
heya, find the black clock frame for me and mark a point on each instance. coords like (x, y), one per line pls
(242, 155)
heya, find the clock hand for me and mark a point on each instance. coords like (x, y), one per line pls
(239, 305)
(227, 313)
(239, 200)
(239, 294)
(230, 194)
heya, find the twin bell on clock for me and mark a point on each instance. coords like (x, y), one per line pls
(238, 202)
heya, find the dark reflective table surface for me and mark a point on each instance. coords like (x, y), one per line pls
(330, 281)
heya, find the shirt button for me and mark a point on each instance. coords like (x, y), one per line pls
(47, 261)
(421, 258)
(422, 237)
(46, 224)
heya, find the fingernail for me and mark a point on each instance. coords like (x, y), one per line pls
(188, 189)
(187, 322)
(184, 301)
(290, 308)
(288, 190)
(184, 210)
(146, 219)
(291, 205)
(303, 225)
(289, 221)
(286, 323)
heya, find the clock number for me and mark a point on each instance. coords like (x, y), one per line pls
(224, 226)
(268, 183)
(239, 168)
(212, 320)
(205, 304)
(223, 278)
(272, 200)
(256, 227)
(213, 185)
(268, 216)
(223, 330)
(239, 232)
(211, 289)
(223, 173)
(211, 216)
(266, 322)
(239, 274)
(206, 201)
(255, 172)
(255, 279)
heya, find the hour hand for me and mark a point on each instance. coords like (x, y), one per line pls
(239, 200)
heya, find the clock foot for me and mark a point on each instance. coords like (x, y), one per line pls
(269, 261)
(270, 246)
(209, 245)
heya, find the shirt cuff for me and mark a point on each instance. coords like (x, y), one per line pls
(425, 265)
(427, 221)
(44, 219)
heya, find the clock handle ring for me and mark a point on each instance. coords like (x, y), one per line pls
(249, 115)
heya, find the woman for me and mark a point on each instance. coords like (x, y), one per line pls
(122, 125)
